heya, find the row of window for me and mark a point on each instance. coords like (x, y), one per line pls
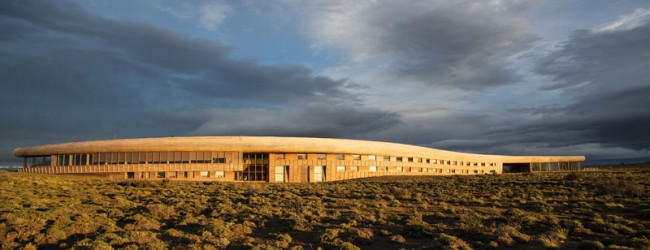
(554, 166)
(407, 169)
(177, 174)
(143, 158)
(114, 158)
(391, 158)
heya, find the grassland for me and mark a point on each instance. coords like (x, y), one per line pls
(597, 210)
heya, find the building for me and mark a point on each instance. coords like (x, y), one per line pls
(269, 159)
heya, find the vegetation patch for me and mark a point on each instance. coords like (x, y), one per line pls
(606, 209)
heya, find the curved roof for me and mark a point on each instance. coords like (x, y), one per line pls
(270, 145)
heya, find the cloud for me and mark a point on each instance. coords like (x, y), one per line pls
(459, 45)
(603, 73)
(319, 120)
(627, 22)
(213, 14)
(71, 75)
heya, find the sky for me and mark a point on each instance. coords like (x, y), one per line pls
(564, 77)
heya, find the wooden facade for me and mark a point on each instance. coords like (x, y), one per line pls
(269, 159)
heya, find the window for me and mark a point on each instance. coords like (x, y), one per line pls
(130, 175)
(219, 160)
(399, 159)
(340, 156)
(420, 160)
(475, 164)
(373, 169)
(279, 156)
(386, 158)
(321, 156)
(354, 168)
(302, 156)
(428, 160)
(356, 157)
(425, 170)
(340, 169)
(205, 174)
(164, 157)
(372, 157)
(220, 174)
(448, 162)
(173, 174)
(482, 164)
(160, 174)
(185, 157)
(399, 169)
(434, 161)
(410, 159)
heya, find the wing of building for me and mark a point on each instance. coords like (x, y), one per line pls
(270, 159)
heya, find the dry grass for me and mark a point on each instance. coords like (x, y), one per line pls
(607, 209)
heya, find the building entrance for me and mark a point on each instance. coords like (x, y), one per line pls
(256, 167)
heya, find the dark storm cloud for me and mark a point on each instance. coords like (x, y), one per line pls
(605, 74)
(320, 120)
(69, 75)
(463, 47)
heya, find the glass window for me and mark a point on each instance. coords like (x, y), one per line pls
(129, 157)
(356, 157)
(399, 169)
(399, 159)
(302, 156)
(372, 157)
(165, 157)
(434, 161)
(482, 164)
(340, 168)
(173, 174)
(149, 157)
(156, 157)
(321, 156)
(220, 174)
(94, 159)
(185, 157)
(425, 170)
(340, 156)
(386, 158)
(205, 174)
(428, 161)
(193, 157)
(419, 160)
(160, 174)
(373, 169)
(354, 168)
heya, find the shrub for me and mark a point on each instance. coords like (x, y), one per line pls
(399, 239)
(445, 241)
(329, 235)
(282, 240)
(590, 245)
